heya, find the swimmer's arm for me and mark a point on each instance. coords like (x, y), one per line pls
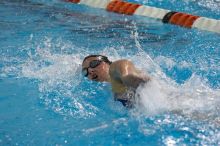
(125, 72)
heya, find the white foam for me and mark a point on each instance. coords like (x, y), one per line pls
(152, 100)
(192, 98)
(60, 73)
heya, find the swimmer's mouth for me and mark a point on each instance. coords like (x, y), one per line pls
(95, 77)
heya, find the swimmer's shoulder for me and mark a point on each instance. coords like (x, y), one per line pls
(120, 63)
(118, 66)
(115, 76)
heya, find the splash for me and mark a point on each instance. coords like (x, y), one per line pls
(193, 98)
(152, 98)
(59, 78)
(55, 64)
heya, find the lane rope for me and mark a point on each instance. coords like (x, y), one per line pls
(166, 16)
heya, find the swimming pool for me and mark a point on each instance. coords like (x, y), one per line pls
(44, 100)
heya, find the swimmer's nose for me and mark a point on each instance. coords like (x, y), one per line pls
(91, 71)
(92, 74)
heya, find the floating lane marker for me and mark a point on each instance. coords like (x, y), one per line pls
(122, 7)
(167, 16)
(152, 12)
(182, 19)
(207, 24)
(96, 3)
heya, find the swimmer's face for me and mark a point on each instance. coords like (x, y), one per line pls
(96, 69)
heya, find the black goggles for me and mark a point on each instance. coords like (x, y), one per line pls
(92, 64)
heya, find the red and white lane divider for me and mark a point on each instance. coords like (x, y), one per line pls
(167, 16)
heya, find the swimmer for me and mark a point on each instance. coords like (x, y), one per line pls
(122, 75)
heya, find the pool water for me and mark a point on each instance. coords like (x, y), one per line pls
(44, 99)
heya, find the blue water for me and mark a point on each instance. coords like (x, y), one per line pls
(44, 100)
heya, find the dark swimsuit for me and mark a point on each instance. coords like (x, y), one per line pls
(124, 102)
(127, 99)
